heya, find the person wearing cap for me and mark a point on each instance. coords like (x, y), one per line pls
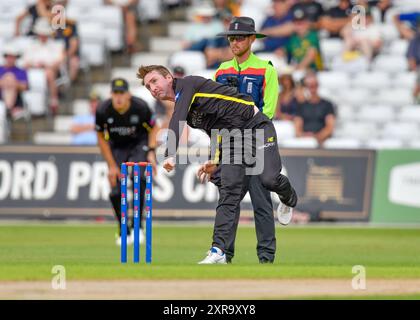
(45, 53)
(303, 48)
(250, 75)
(312, 9)
(126, 132)
(13, 81)
(249, 144)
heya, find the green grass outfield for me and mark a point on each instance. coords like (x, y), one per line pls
(88, 252)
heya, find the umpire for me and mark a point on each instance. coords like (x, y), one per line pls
(126, 132)
(255, 77)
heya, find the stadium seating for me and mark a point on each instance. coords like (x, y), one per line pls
(372, 80)
(127, 73)
(7, 29)
(395, 97)
(36, 102)
(189, 60)
(149, 10)
(142, 92)
(176, 29)
(379, 114)
(358, 130)
(398, 47)
(384, 144)
(112, 20)
(410, 113)
(390, 63)
(3, 123)
(165, 44)
(300, 143)
(81, 107)
(355, 97)
(405, 80)
(374, 108)
(342, 143)
(330, 48)
(149, 58)
(333, 80)
(284, 129)
(52, 138)
(401, 130)
(346, 112)
(92, 43)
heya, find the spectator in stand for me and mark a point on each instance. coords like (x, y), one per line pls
(315, 116)
(83, 125)
(413, 56)
(178, 72)
(303, 48)
(287, 102)
(42, 8)
(204, 27)
(223, 8)
(380, 10)
(217, 49)
(278, 27)
(129, 10)
(13, 81)
(367, 40)
(406, 24)
(47, 54)
(313, 11)
(336, 18)
(70, 37)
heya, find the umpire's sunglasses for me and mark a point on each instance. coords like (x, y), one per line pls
(237, 38)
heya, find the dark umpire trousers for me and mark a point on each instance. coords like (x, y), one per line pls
(128, 154)
(233, 176)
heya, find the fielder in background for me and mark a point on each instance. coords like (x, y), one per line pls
(126, 132)
(208, 105)
(257, 78)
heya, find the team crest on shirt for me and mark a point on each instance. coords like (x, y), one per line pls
(249, 87)
(134, 119)
(110, 120)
